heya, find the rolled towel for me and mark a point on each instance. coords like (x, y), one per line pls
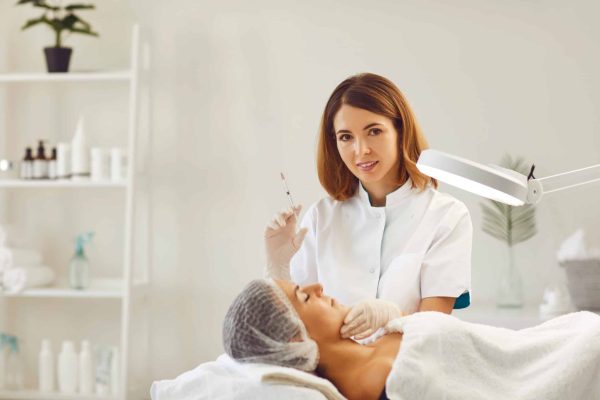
(17, 279)
(12, 235)
(10, 257)
(3, 236)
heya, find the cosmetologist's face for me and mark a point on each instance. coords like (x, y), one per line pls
(322, 315)
(367, 143)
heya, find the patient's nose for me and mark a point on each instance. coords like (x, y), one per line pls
(316, 289)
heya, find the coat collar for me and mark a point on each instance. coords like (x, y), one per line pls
(392, 199)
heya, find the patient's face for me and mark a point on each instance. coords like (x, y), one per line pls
(322, 315)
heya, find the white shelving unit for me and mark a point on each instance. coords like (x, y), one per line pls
(63, 183)
(124, 76)
(127, 289)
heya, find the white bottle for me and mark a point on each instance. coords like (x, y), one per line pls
(99, 163)
(46, 368)
(63, 160)
(79, 153)
(115, 372)
(116, 164)
(67, 368)
(52, 164)
(86, 378)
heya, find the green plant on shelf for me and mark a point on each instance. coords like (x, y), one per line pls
(61, 18)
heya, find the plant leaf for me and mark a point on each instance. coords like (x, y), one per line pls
(525, 220)
(499, 226)
(493, 231)
(21, 2)
(75, 24)
(57, 24)
(84, 31)
(35, 21)
(508, 223)
(72, 7)
(524, 236)
(39, 4)
(493, 216)
(500, 206)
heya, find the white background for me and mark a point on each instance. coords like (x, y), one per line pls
(238, 91)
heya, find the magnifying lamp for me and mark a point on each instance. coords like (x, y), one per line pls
(497, 183)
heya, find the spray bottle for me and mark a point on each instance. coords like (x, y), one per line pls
(3, 357)
(14, 366)
(79, 266)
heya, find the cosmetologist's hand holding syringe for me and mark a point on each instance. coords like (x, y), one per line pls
(282, 240)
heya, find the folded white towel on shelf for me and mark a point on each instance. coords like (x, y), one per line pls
(12, 236)
(576, 247)
(10, 257)
(17, 279)
(3, 236)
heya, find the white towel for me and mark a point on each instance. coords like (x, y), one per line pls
(9, 257)
(273, 374)
(3, 241)
(442, 357)
(225, 379)
(12, 235)
(17, 279)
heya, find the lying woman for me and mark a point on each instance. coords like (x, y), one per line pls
(427, 355)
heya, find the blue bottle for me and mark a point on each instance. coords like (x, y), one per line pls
(79, 266)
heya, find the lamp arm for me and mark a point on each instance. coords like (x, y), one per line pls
(566, 180)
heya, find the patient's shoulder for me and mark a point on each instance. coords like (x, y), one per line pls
(369, 380)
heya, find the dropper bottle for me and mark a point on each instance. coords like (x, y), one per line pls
(27, 164)
(79, 267)
(40, 163)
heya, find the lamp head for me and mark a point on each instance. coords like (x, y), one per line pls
(489, 181)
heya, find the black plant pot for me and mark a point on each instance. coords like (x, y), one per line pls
(57, 58)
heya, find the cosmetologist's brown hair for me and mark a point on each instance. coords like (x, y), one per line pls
(379, 95)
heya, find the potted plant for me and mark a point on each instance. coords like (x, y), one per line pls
(511, 225)
(61, 18)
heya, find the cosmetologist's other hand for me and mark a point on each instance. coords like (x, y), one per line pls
(282, 241)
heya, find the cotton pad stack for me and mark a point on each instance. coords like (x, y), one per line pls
(582, 267)
(21, 268)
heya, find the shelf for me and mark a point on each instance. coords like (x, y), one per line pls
(59, 183)
(100, 76)
(35, 395)
(99, 289)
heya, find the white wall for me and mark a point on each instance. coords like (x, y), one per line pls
(239, 90)
(238, 93)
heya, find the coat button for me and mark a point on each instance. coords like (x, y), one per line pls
(371, 270)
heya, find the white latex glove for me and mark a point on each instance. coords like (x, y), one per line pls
(282, 242)
(368, 316)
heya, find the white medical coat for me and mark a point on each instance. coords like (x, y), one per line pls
(417, 246)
